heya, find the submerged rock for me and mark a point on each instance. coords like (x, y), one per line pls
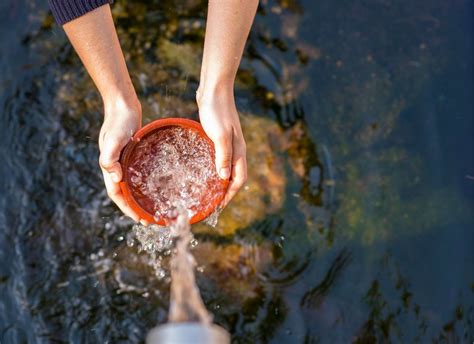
(233, 269)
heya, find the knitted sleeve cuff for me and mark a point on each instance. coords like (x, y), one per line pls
(67, 10)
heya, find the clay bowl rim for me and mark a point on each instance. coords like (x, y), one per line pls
(128, 149)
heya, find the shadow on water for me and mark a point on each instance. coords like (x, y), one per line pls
(355, 224)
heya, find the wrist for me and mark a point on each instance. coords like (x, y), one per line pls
(119, 88)
(120, 103)
(213, 92)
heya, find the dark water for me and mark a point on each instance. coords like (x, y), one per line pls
(357, 221)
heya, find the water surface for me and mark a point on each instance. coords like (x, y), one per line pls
(356, 224)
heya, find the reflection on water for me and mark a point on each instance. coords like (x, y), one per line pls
(355, 224)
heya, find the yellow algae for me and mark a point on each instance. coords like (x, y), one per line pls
(234, 268)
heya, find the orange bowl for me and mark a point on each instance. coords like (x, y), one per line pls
(140, 207)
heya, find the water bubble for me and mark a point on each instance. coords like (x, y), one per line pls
(130, 240)
(193, 243)
(160, 273)
(213, 218)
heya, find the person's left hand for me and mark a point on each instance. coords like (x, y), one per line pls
(220, 120)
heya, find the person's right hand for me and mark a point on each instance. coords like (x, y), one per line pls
(220, 121)
(122, 119)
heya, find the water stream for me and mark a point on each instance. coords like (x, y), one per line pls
(172, 244)
(186, 303)
(173, 174)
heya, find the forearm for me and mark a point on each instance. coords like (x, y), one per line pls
(95, 40)
(227, 28)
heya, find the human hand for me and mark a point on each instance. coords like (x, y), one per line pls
(122, 119)
(220, 120)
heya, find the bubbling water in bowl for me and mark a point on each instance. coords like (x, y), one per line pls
(174, 168)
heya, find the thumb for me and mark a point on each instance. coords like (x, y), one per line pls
(109, 159)
(223, 148)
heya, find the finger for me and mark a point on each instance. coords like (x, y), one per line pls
(109, 158)
(223, 146)
(239, 177)
(115, 194)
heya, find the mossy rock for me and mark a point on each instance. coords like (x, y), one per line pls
(233, 269)
(186, 57)
(158, 106)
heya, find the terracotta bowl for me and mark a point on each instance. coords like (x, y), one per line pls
(138, 204)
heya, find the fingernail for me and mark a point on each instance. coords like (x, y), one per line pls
(224, 173)
(115, 177)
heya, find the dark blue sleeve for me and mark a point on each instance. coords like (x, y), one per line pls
(67, 10)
